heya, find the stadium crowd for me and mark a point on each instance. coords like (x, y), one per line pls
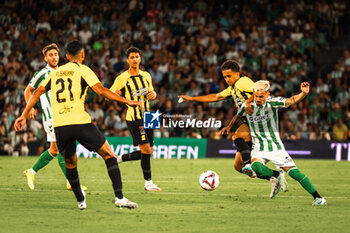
(183, 43)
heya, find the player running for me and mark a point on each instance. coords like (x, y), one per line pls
(135, 84)
(52, 58)
(267, 144)
(240, 87)
(68, 85)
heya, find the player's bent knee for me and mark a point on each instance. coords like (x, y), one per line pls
(146, 149)
(245, 136)
(105, 151)
(71, 161)
(53, 152)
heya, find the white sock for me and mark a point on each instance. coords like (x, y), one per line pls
(147, 182)
(119, 159)
(32, 171)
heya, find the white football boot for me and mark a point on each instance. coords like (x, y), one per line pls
(124, 202)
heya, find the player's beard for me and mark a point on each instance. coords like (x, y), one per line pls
(53, 64)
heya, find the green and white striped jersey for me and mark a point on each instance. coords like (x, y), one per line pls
(263, 124)
(45, 99)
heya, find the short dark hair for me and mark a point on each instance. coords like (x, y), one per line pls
(49, 47)
(231, 64)
(132, 50)
(74, 47)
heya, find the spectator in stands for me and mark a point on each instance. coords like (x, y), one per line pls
(340, 130)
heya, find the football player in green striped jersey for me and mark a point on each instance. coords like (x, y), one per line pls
(51, 55)
(267, 144)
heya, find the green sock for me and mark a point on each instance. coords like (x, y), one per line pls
(261, 170)
(62, 164)
(43, 160)
(302, 179)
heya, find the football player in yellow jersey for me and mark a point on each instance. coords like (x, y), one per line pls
(135, 84)
(240, 88)
(68, 85)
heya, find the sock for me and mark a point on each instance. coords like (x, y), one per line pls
(302, 179)
(43, 160)
(73, 178)
(114, 175)
(316, 194)
(244, 149)
(32, 171)
(146, 166)
(262, 171)
(148, 182)
(62, 164)
(136, 155)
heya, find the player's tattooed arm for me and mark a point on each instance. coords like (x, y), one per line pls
(305, 88)
(248, 106)
(203, 98)
(226, 129)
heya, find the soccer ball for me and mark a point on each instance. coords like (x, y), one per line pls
(209, 180)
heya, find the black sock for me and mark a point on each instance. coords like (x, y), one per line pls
(73, 178)
(136, 155)
(276, 173)
(316, 194)
(146, 166)
(114, 175)
(244, 149)
(264, 177)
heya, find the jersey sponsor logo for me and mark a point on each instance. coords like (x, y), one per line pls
(151, 120)
(65, 110)
(258, 118)
(140, 92)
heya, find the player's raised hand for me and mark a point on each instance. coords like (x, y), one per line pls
(151, 95)
(134, 103)
(305, 87)
(20, 123)
(183, 98)
(223, 131)
(248, 108)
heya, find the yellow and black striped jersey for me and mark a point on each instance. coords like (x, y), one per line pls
(240, 91)
(134, 88)
(68, 85)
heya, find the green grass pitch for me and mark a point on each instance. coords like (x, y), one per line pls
(238, 204)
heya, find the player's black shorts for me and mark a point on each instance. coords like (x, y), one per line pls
(139, 134)
(86, 134)
(240, 121)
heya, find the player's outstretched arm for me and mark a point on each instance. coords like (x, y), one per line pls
(108, 94)
(203, 98)
(21, 121)
(305, 88)
(226, 129)
(27, 94)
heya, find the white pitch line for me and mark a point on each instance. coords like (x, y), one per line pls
(200, 193)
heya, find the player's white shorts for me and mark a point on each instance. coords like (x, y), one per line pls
(50, 132)
(279, 157)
